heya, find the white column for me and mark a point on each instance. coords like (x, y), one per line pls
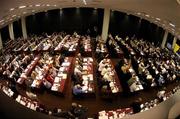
(23, 25)
(105, 24)
(174, 42)
(164, 39)
(11, 31)
(1, 45)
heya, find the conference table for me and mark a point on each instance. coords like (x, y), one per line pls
(87, 48)
(114, 84)
(28, 70)
(62, 78)
(88, 77)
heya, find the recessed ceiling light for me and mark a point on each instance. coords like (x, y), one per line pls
(11, 9)
(30, 5)
(158, 19)
(48, 5)
(24, 12)
(37, 5)
(13, 15)
(55, 5)
(84, 1)
(171, 24)
(1, 21)
(20, 7)
(147, 15)
(139, 13)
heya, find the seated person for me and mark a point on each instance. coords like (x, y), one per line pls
(77, 90)
(108, 77)
(77, 71)
(105, 70)
(47, 84)
(79, 58)
(136, 105)
(132, 83)
(102, 64)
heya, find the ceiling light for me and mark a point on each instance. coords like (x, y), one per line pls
(139, 13)
(33, 10)
(24, 12)
(84, 1)
(13, 15)
(48, 5)
(37, 5)
(171, 24)
(147, 15)
(1, 21)
(173, 29)
(158, 19)
(20, 7)
(30, 5)
(11, 9)
(55, 5)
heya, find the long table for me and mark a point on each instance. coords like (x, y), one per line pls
(114, 83)
(88, 86)
(28, 70)
(60, 81)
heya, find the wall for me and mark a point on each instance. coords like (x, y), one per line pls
(129, 25)
(67, 19)
(17, 29)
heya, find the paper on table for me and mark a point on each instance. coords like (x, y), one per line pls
(61, 69)
(90, 77)
(63, 75)
(56, 80)
(65, 64)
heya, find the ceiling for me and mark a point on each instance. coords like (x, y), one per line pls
(165, 13)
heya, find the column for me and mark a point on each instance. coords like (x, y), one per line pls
(105, 28)
(164, 39)
(174, 42)
(1, 45)
(11, 31)
(23, 25)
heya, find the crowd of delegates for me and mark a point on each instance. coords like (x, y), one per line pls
(143, 65)
(152, 65)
